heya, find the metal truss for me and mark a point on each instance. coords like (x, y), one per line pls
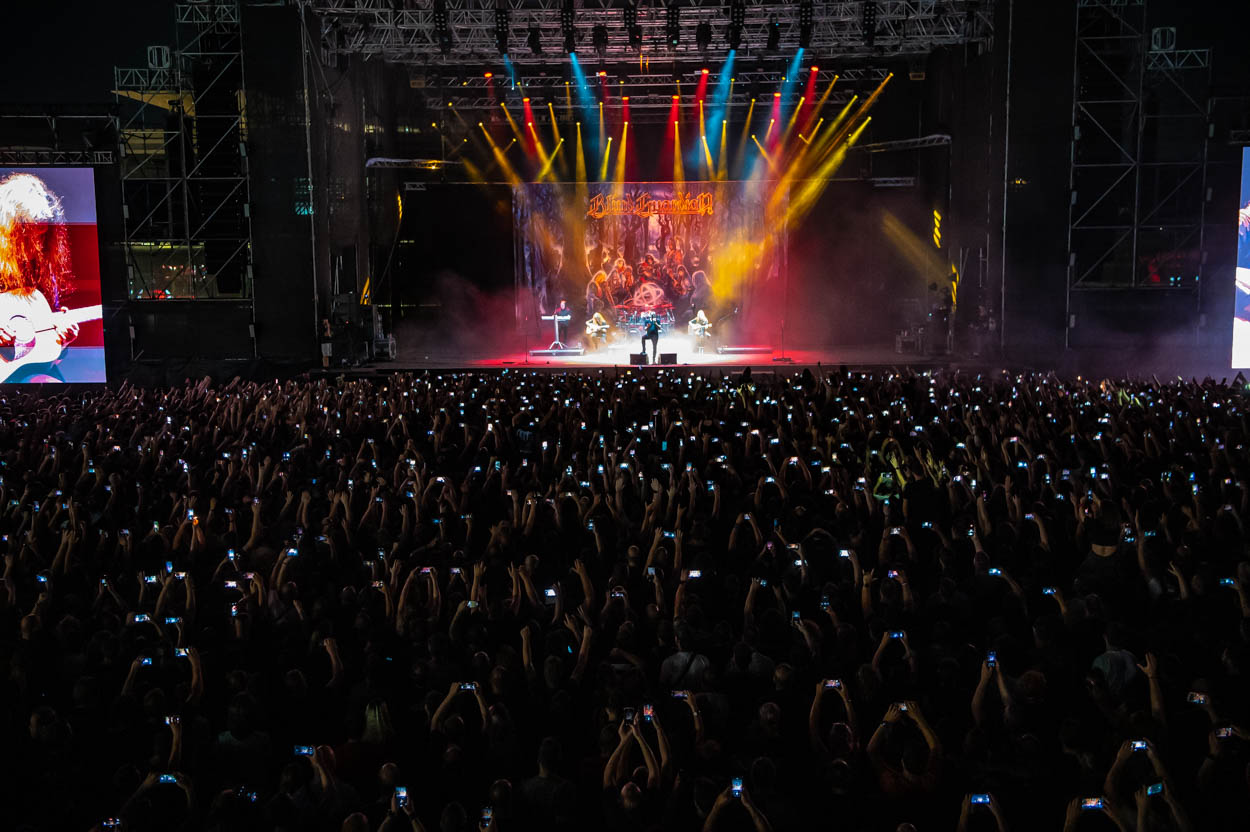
(185, 179)
(1137, 173)
(403, 31)
(649, 95)
(66, 158)
(64, 139)
(893, 181)
(1159, 59)
(935, 140)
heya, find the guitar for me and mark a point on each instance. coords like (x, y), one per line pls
(33, 325)
(595, 330)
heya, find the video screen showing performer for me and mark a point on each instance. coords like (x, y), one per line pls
(50, 315)
(643, 252)
(1241, 312)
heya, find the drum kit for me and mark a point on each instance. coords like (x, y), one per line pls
(648, 300)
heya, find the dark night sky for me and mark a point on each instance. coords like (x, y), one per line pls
(62, 52)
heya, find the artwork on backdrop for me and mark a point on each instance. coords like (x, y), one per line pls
(1241, 313)
(644, 251)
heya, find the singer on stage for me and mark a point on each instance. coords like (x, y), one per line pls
(651, 333)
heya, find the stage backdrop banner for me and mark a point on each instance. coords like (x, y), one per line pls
(49, 277)
(635, 249)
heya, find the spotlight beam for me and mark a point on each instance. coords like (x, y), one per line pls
(603, 168)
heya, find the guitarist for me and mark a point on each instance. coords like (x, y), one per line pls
(34, 254)
(597, 331)
(700, 328)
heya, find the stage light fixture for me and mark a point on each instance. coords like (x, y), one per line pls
(632, 29)
(599, 37)
(868, 22)
(806, 16)
(774, 34)
(673, 25)
(441, 30)
(535, 40)
(501, 28)
(737, 20)
(566, 26)
(703, 36)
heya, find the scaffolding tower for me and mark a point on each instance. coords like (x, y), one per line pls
(1139, 154)
(183, 159)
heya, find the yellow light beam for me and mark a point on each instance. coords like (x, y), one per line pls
(500, 158)
(618, 186)
(557, 138)
(820, 102)
(863, 110)
(555, 127)
(603, 168)
(794, 117)
(769, 159)
(707, 155)
(722, 169)
(554, 152)
(581, 157)
(812, 188)
(474, 173)
(821, 142)
(542, 152)
(516, 131)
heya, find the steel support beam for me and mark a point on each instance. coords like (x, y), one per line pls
(181, 170)
(402, 31)
(1137, 174)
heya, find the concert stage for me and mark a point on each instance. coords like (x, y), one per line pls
(413, 357)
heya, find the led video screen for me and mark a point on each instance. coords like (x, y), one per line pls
(50, 318)
(1241, 314)
(632, 252)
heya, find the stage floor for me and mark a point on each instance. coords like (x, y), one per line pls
(767, 358)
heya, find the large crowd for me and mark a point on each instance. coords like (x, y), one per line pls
(626, 601)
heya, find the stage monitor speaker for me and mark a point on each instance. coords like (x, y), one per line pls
(638, 359)
(668, 358)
